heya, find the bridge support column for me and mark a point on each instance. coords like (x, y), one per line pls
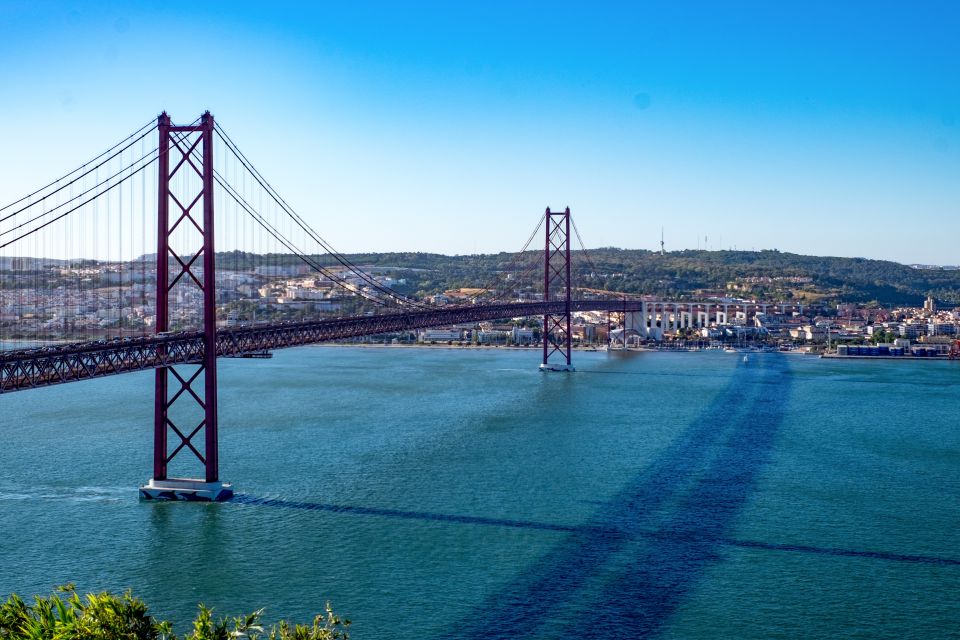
(556, 287)
(632, 325)
(179, 407)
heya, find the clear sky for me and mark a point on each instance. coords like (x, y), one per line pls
(812, 127)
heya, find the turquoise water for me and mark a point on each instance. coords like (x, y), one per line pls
(463, 494)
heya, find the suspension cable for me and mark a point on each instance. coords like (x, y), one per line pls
(278, 199)
(282, 240)
(278, 235)
(370, 280)
(515, 259)
(30, 195)
(66, 202)
(66, 213)
(586, 252)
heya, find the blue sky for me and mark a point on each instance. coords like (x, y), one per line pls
(812, 127)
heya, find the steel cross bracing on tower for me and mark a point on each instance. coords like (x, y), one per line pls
(193, 216)
(556, 282)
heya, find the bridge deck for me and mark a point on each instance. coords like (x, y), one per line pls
(46, 366)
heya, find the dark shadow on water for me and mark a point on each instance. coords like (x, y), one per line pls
(708, 480)
(844, 553)
(625, 571)
(249, 500)
(406, 515)
(628, 585)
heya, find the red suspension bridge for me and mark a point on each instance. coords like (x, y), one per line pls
(130, 235)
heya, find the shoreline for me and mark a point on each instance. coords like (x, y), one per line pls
(835, 356)
(537, 349)
(477, 347)
(603, 349)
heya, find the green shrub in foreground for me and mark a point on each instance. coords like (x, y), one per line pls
(106, 616)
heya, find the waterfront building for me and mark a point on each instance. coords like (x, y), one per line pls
(493, 336)
(522, 336)
(439, 335)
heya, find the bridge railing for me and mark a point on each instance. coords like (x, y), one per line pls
(45, 366)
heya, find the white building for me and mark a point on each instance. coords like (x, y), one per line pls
(440, 335)
(522, 336)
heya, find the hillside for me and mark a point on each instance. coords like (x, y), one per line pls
(769, 275)
(766, 274)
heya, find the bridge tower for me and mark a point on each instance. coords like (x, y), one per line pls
(557, 287)
(185, 398)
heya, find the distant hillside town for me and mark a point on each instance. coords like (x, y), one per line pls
(62, 300)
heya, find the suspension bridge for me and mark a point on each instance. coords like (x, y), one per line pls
(125, 264)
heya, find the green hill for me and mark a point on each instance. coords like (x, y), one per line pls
(766, 274)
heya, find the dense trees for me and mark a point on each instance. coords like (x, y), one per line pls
(105, 616)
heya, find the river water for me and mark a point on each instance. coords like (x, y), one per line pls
(433, 493)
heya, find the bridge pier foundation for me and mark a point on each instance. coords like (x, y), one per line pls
(186, 489)
(556, 366)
